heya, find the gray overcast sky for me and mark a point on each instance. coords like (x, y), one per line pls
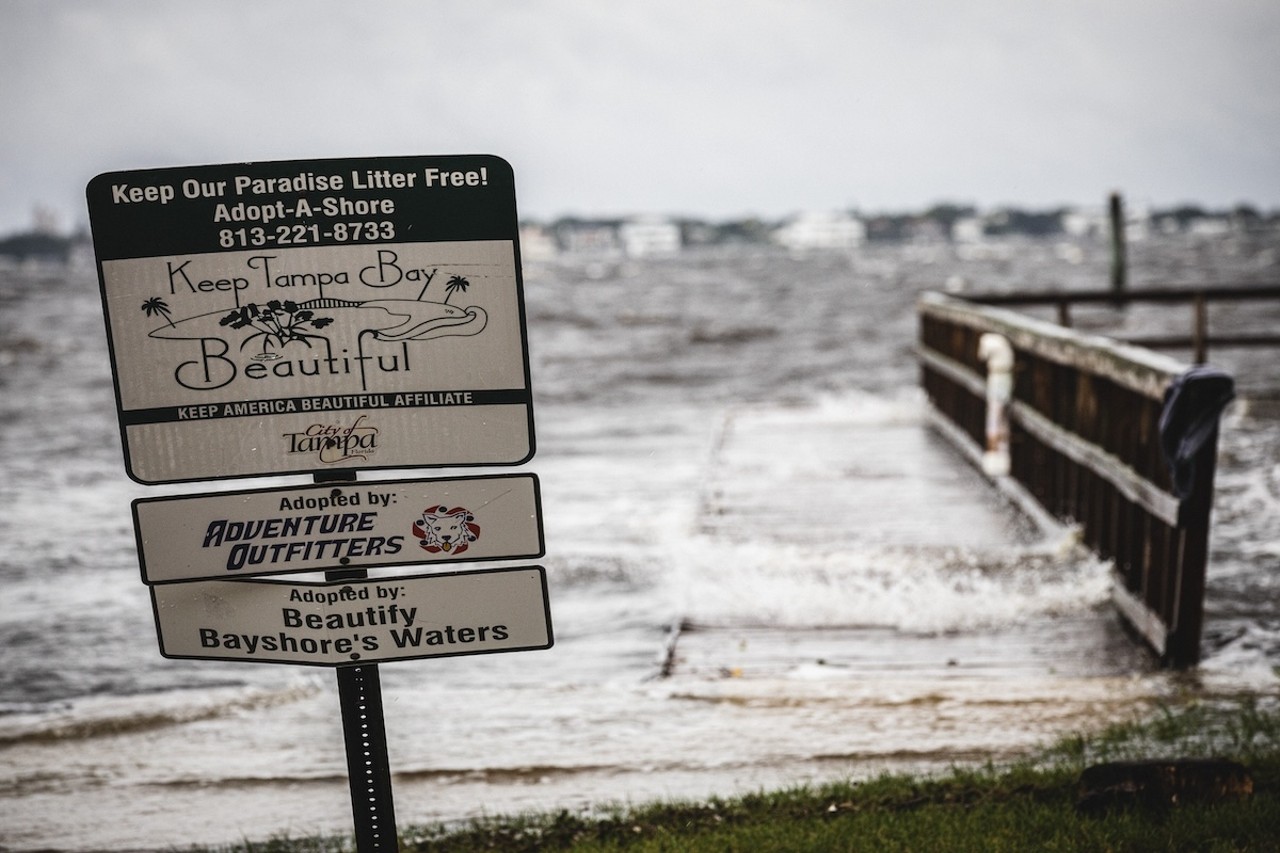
(717, 108)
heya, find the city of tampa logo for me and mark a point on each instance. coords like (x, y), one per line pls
(335, 443)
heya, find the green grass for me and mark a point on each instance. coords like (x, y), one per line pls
(1026, 806)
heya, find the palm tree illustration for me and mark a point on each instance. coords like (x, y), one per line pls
(278, 322)
(155, 305)
(455, 284)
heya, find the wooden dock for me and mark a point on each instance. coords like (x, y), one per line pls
(1069, 428)
(1112, 437)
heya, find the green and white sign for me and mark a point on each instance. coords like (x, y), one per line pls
(302, 316)
(338, 526)
(355, 622)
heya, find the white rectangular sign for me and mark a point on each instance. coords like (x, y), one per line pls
(339, 525)
(303, 316)
(355, 622)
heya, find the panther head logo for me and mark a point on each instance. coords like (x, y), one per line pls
(450, 530)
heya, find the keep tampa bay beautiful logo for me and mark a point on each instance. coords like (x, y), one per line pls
(361, 326)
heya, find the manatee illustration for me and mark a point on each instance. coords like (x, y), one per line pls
(286, 321)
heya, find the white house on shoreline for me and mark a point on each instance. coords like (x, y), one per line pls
(649, 236)
(821, 230)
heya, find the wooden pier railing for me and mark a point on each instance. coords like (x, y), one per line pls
(1200, 334)
(1080, 418)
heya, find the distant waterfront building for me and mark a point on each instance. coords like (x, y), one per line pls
(537, 243)
(44, 220)
(1137, 220)
(648, 236)
(588, 237)
(821, 230)
(1087, 222)
(1095, 222)
(1209, 226)
(969, 229)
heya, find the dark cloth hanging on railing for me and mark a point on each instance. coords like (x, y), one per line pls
(1193, 403)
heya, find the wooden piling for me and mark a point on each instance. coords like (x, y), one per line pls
(1119, 261)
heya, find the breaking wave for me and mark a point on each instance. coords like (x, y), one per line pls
(107, 716)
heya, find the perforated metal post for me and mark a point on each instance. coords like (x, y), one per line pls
(365, 731)
(368, 768)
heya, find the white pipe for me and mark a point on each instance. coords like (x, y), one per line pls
(998, 354)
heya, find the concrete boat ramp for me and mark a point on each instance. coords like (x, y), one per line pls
(859, 543)
(841, 477)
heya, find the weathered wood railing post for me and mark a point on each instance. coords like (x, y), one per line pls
(1084, 418)
(1200, 328)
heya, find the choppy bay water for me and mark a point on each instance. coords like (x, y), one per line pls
(637, 368)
